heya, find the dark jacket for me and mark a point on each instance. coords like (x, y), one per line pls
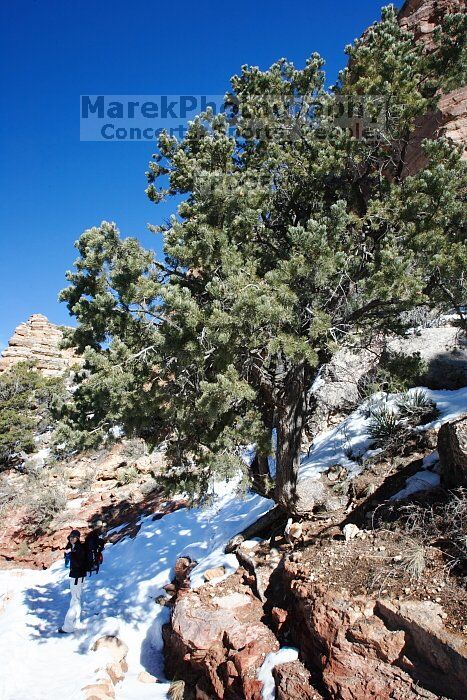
(78, 560)
(94, 544)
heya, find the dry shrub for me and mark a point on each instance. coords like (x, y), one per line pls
(442, 524)
(413, 560)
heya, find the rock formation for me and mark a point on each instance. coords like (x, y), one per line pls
(337, 390)
(367, 648)
(217, 641)
(38, 340)
(422, 17)
(452, 449)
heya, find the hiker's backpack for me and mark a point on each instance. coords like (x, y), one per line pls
(95, 560)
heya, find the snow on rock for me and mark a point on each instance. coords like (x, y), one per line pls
(418, 482)
(119, 601)
(350, 439)
(283, 656)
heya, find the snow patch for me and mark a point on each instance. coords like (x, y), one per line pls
(274, 658)
(418, 482)
(120, 600)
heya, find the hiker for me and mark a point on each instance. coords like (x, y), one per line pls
(94, 544)
(75, 553)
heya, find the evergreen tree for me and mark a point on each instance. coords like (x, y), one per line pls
(294, 237)
(27, 401)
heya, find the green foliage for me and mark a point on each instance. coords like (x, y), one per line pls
(292, 238)
(126, 475)
(384, 425)
(395, 372)
(417, 406)
(27, 401)
(48, 499)
(411, 409)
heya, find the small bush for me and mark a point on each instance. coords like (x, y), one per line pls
(395, 372)
(23, 550)
(369, 489)
(416, 406)
(414, 560)
(442, 524)
(126, 475)
(49, 500)
(177, 690)
(384, 425)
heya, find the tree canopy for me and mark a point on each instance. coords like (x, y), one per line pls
(295, 236)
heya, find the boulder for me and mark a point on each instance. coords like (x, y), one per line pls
(217, 643)
(114, 645)
(214, 573)
(317, 494)
(293, 681)
(437, 656)
(145, 677)
(452, 450)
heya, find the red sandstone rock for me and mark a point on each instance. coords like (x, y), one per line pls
(279, 617)
(340, 638)
(293, 681)
(422, 17)
(219, 643)
(439, 656)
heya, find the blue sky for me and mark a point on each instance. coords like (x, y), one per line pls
(53, 186)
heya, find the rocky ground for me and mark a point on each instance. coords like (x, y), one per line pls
(372, 596)
(117, 485)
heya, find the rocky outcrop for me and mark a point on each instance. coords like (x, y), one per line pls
(38, 340)
(93, 490)
(379, 649)
(216, 641)
(335, 392)
(341, 638)
(436, 655)
(452, 450)
(338, 389)
(443, 349)
(423, 16)
(352, 647)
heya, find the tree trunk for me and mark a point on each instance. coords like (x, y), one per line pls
(259, 471)
(290, 423)
(264, 526)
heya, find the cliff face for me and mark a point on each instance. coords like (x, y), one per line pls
(38, 340)
(422, 17)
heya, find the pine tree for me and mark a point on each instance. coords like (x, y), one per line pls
(27, 402)
(294, 237)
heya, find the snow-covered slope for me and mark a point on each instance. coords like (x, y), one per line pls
(39, 664)
(350, 439)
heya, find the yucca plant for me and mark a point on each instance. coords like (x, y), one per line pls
(384, 424)
(417, 405)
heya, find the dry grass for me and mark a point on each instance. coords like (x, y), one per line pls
(414, 560)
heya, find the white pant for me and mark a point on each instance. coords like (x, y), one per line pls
(73, 615)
